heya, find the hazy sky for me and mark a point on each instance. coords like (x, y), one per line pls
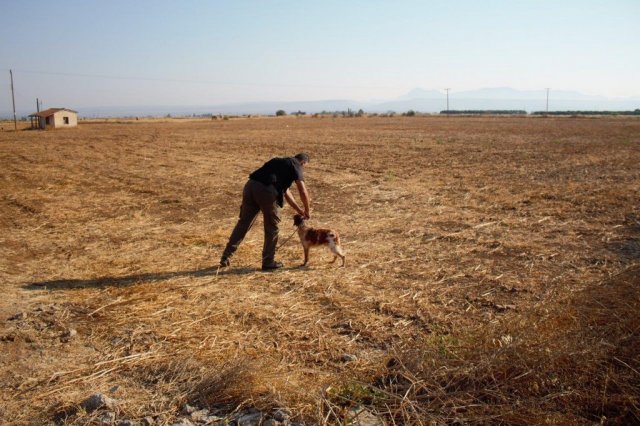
(120, 53)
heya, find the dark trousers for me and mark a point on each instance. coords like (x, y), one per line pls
(257, 197)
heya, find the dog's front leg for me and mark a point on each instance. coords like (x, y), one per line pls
(306, 255)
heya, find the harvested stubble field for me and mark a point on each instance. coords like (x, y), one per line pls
(492, 273)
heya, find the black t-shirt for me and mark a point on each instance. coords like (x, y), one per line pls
(279, 172)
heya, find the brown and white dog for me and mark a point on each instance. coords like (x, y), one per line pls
(310, 237)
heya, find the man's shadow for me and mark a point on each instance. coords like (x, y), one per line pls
(128, 280)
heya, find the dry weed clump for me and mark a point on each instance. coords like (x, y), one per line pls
(492, 274)
(566, 364)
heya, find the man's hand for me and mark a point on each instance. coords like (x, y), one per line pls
(294, 205)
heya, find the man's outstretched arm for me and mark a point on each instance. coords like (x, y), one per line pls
(304, 196)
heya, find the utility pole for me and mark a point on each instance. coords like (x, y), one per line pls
(13, 99)
(447, 89)
(547, 100)
(37, 105)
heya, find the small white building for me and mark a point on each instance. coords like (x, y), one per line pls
(54, 118)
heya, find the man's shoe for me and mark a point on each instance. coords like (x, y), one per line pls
(272, 266)
(224, 262)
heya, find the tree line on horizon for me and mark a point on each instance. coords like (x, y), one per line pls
(412, 113)
(523, 112)
(360, 113)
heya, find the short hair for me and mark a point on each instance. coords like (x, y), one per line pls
(303, 156)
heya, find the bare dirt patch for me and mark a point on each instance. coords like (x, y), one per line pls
(492, 273)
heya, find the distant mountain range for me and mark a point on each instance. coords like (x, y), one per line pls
(419, 100)
(506, 98)
(500, 93)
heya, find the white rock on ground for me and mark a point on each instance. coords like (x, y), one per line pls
(212, 420)
(107, 418)
(200, 416)
(188, 409)
(363, 417)
(183, 422)
(98, 400)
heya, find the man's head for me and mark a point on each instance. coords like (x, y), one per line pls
(302, 157)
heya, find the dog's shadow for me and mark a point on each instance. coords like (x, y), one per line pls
(128, 280)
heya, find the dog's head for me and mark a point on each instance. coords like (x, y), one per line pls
(298, 220)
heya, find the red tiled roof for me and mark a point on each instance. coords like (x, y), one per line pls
(50, 111)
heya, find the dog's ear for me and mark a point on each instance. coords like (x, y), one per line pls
(297, 219)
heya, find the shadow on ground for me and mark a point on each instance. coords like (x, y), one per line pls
(65, 284)
(628, 246)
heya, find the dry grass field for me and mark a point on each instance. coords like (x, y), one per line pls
(492, 277)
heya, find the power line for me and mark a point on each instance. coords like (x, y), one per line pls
(547, 88)
(447, 89)
(192, 81)
(13, 99)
